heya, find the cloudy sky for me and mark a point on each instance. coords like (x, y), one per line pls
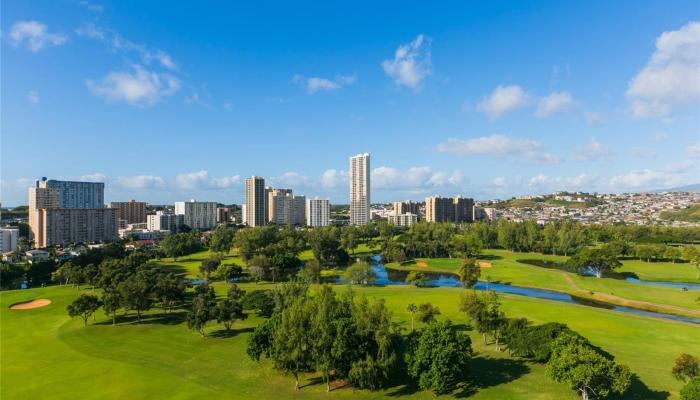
(168, 101)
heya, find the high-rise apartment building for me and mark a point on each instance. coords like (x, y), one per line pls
(279, 205)
(77, 194)
(449, 209)
(318, 212)
(408, 206)
(8, 239)
(197, 214)
(255, 201)
(359, 189)
(165, 221)
(70, 212)
(223, 215)
(299, 210)
(129, 212)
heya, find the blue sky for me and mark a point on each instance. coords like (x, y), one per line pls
(168, 101)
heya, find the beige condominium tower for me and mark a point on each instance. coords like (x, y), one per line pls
(359, 189)
(255, 201)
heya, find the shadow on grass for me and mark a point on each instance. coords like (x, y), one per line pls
(485, 372)
(640, 391)
(489, 257)
(171, 318)
(224, 333)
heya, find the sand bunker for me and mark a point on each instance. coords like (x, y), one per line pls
(28, 305)
(421, 264)
(484, 264)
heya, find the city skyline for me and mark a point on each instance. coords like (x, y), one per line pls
(455, 100)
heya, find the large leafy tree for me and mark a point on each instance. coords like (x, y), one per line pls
(469, 272)
(136, 293)
(291, 350)
(259, 267)
(686, 367)
(360, 274)
(439, 357)
(202, 308)
(691, 390)
(209, 265)
(221, 239)
(427, 313)
(169, 290)
(598, 261)
(84, 306)
(475, 308)
(227, 311)
(585, 369)
(111, 303)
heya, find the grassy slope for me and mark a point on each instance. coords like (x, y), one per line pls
(690, 214)
(661, 271)
(506, 269)
(165, 360)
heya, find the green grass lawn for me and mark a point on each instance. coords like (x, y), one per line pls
(506, 269)
(161, 358)
(661, 271)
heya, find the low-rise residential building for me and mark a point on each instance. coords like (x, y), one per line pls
(165, 221)
(37, 255)
(405, 219)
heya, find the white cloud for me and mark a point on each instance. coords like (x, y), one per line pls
(555, 102)
(227, 106)
(548, 183)
(141, 182)
(414, 178)
(164, 59)
(594, 119)
(202, 180)
(333, 178)
(694, 150)
(660, 136)
(498, 145)
(499, 182)
(317, 84)
(291, 180)
(33, 96)
(34, 35)
(593, 150)
(147, 54)
(678, 174)
(92, 7)
(90, 30)
(503, 100)
(411, 63)
(138, 87)
(671, 75)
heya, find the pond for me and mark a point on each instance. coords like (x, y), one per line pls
(398, 277)
(630, 279)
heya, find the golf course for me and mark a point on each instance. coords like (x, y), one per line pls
(47, 355)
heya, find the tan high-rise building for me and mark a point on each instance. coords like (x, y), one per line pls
(404, 207)
(256, 201)
(63, 212)
(449, 209)
(223, 215)
(360, 189)
(131, 212)
(278, 209)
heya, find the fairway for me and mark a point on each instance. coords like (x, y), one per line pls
(160, 358)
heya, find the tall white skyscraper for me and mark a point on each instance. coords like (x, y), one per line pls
(359, 189)
(255, 201)
(318, 212)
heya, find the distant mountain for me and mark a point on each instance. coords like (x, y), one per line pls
(687, 188)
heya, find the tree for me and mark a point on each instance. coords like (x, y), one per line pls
(311, 272)
(597, 260)
(202, 308)
(586, 370)
(291, 343)
(411, 308)
(169, 290)
(427, 313)
(84, 306)
(360, 274)
(235, 293)
(439, 357)
(469, 273)
(672, 253)
(111, 303)
(686, 367)
(259, 267)
(260, 300)
(691, 390)
(221, 239)
(227, 311)
(135, 293)
(417, 278)
(474, 306)
(90, 274)
(179, 244)
(228, 272)
(493, 318)
(349, 238)
(209, 265)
